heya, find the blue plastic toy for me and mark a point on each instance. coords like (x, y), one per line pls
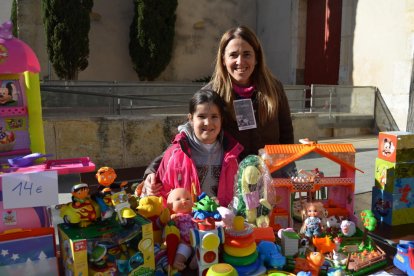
(270, 254)
(404, 259)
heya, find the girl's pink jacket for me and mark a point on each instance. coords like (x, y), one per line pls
(177, 169)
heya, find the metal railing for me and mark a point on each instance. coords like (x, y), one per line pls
(333, 103)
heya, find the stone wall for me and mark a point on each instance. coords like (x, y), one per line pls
(124, 142)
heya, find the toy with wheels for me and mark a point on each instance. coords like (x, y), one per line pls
(82, 210)
(404, 259)
(122, 207)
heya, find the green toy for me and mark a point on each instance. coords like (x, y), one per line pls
(206, 207)
(253, 191)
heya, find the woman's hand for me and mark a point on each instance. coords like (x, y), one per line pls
(150, 185)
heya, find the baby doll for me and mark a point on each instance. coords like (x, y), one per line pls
(180, 203)
(312, 224)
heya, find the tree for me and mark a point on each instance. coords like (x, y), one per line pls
(67, 26)
(369, 222)
(13, 17)
(152, 36)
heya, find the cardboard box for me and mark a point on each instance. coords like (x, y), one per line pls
(394, 177)
(108, 248)
(393, 209)
(29, 252)
(396, 146)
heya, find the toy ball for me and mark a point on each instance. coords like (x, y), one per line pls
(222, 269)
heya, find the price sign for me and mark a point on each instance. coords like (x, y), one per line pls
(22, 190)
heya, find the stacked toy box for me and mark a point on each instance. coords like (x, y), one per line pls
(393, 193)
(108, 248)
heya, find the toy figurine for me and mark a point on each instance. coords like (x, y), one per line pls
(312, 224)
(106, 177)
(206, 207)
(312, 263)
(348, 228)
(82, 210)
(122, 208)
(180, 204)
(151, 207)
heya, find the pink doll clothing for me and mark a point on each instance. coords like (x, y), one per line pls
(184, 223)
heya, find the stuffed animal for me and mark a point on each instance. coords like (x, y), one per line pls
(271, 255)
(253, 191)
(152, 208)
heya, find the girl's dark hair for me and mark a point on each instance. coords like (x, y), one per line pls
(206, 96)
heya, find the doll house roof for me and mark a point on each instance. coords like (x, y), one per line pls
(293, 152)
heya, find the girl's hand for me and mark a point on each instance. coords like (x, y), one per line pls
(150, 186)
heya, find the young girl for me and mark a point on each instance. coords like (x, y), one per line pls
(201, 157)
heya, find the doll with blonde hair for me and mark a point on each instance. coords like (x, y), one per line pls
(312, 219)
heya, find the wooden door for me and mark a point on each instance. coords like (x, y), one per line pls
(323, 40)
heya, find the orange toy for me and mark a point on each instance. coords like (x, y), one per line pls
(323, 245)
(312, 263)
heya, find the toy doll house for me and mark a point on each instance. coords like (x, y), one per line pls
(20, 133)
(339, 190)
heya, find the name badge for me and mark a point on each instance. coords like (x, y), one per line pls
(243, 109)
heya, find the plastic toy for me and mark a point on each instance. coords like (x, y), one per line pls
(206, 239)
(227, 216)
(152, 208)
(205, 207)
(122, 208)
(221, 270)
(323, 244)
(82, 210)
(180, 203)
(340, 188)
(312, 223)
(370, 223)
(26, 160)
(348, 228)
(105, 177)
(312, 263)
(253, 197)
(98, 260)
(404, 259)
(270, 254)
(21, 115)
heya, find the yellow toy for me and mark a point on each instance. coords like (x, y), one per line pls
(82, 210)
(123, 208)
(152, 208)
(221, 269)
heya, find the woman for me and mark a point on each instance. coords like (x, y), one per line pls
(257, 110)
(241, 73)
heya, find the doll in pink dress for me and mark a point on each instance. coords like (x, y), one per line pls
(180, 203)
